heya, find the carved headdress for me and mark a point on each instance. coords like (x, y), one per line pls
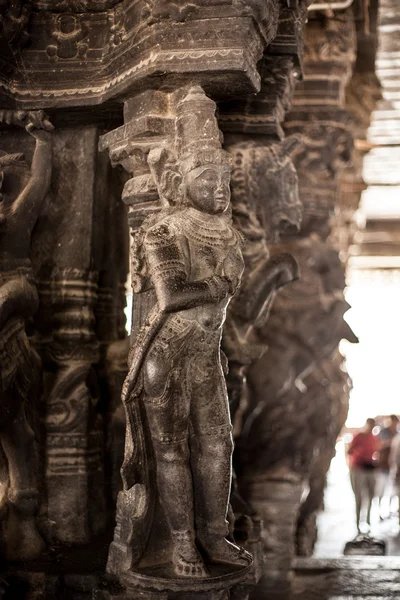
(197, 143)
(198, 138)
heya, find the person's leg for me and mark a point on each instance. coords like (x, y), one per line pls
(380, 490)
(396, 491)
(356, 484)
(370, 480)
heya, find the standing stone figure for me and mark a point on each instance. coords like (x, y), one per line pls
(22, 193)
(189, 257)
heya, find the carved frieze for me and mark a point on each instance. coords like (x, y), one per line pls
(120, 54)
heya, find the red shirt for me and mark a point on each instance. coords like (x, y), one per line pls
(362, 450)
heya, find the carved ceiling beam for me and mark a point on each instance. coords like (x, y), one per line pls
(108, 51)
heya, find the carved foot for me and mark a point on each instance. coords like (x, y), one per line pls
(219, 550)
(186, 561)
(21, 539)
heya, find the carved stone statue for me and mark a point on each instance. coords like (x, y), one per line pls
(265, 203)
(22, 193)
(179, 440)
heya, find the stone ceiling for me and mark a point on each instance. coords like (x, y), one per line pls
(380, 206)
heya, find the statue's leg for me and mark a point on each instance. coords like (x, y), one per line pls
(211, 446)
(167, 408)
(21, 538)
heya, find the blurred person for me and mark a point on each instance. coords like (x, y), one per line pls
(383, 476)
(394, 464)
(361, 452)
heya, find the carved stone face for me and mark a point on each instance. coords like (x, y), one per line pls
(207, 189)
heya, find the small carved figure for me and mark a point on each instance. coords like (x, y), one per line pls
(69, 32)
(14, 18)
(192, 257)
(22, 193)
(155, 10)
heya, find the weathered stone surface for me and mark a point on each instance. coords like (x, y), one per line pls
(106, 50)
(348, 577)
(23, 191)
(186, 265)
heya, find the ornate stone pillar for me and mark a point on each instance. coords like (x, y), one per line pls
(84, 60)
(265, 204)
(149, 528)
(69, 257)
(287, 417)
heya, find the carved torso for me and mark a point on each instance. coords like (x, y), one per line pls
(197, 246)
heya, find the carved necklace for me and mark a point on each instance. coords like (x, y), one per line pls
(211, 230)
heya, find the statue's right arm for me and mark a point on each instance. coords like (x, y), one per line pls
(168, 272)
(29, 202)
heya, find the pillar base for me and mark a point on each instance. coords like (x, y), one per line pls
(135, 586)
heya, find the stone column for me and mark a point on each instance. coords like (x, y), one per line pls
(68, 254)
(266, 205)
(287, 416)
(157, 122)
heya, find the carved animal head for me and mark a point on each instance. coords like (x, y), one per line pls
(327, 148)
(264, 185)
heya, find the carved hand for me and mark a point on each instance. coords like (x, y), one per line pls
(224, 282)
(34, 121)
(38, 125)
(219, 287)
(232, 268)
(5, 306)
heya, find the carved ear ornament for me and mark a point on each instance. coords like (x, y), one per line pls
(167, 175)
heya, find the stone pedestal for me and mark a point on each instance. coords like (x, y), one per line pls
(135, 587)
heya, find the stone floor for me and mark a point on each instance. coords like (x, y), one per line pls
(367, 578)
(331, 576)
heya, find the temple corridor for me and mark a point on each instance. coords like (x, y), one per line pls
(199, 299)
